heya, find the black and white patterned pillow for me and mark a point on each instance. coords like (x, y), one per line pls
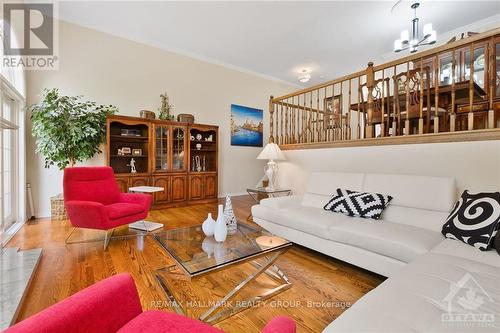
(474, 219)
(362, 204)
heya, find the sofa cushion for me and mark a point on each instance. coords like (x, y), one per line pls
(119, 210)
(430, 193)
(424, 295)
(398, 241)
(321, 186)
(427, 219)
(154, 321)
(459, 249)
(314, 221)
(474, 219)
(362, 204)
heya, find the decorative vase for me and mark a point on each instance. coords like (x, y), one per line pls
(231, 222)
(220, 230)
(208, 225)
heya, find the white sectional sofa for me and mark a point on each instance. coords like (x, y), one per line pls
(406, 245)
(410, 225)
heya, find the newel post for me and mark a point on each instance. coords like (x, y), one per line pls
(271, 119)
(370, 84)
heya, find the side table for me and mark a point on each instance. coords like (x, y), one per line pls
(145, 225)
(256, 192)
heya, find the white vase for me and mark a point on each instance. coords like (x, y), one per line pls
(220, 231)
(208, 225)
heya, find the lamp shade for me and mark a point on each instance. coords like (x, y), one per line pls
(271, 152)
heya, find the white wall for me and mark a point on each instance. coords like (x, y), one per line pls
(474, 165)
(130, 75)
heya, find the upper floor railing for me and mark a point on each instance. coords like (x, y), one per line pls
(429, 96)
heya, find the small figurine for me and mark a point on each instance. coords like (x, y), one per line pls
(132, 166)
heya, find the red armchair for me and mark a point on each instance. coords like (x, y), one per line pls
(93, 200)
(113, 305)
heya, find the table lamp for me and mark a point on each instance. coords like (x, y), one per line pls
(271, 152)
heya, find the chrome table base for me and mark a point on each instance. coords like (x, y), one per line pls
(215, 313)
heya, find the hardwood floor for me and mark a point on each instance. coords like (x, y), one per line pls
(322, 289)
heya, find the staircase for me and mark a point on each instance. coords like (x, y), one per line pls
(16, 271)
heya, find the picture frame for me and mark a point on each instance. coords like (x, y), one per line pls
(333, 104)
(126, 151)
(136, 152)
(246, 126)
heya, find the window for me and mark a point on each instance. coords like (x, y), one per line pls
(9, 164)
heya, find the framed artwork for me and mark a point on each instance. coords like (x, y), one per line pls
(126, 150)
(247, 125)
(136, 152)
(333, 104)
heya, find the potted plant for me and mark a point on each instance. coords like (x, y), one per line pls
(67, 130)
(166, 108)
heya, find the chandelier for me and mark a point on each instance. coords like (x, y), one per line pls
(429, 36)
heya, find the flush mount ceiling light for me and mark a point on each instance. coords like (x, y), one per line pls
(429, 36)
(304, 76)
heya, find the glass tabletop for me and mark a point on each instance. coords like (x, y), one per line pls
(265, 190)
(198, 254)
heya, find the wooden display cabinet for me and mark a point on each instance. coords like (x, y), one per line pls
(180, 157)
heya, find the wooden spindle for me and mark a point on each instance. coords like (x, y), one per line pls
(436, 98)
(271, 122)
(348, 127)
(421, 104)
(470, 116)
(358, 129)
(370, 84)
(382, 122)
(453, 119)
(310, 116)
(281, 124)
(325, 116)
(407, 120)
(287, 123)
(318, 124)
(395, 99)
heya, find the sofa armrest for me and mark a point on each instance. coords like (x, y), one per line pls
(87, 214)
(103, 307)
(144, 200)
(282, 202)
(280, 324)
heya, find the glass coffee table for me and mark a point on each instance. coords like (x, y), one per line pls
(197, 255)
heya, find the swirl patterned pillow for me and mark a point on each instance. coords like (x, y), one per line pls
(474, 219)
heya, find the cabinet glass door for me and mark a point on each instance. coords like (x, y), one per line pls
(479, 66)
(497, 70)
(161, 148)
(446, 70)
(178, 149)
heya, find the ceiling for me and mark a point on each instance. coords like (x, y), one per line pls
(275, 39)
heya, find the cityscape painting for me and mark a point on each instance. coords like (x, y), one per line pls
(246, 126)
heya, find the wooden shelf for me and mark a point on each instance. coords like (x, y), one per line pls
(126, 137)
(128, 156)
(202, 141)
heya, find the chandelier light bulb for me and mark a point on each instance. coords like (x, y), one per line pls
(405, 36)
(433, 37)
(398, 45)
(427, 30)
